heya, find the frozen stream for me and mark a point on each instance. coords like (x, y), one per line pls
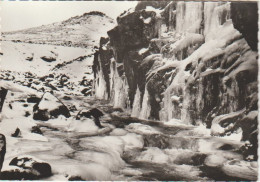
(133, 149)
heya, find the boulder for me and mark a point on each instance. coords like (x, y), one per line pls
(2, 150)
(36, 129)
(26, 168)
(33, 99)
(245, 19)
(49, 58)
(86, 91)
(92, 113)
(49, 107)
(17, 133)
(96, 113)
(3, 93)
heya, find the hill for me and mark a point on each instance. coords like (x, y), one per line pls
(78, 31)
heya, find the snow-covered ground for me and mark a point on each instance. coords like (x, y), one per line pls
(15, 57)
(136, 151)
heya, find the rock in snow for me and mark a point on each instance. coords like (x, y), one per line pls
(26, 168)
(95, 113)
(2, 150)
(49, 107)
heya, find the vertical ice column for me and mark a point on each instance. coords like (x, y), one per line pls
(119, 98)
(100, 86)
(136, 105)
(146, 107)
(215, 14)
(189, 17)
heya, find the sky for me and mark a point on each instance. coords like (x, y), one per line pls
(17, 15)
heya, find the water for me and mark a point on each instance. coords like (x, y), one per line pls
(133, 149)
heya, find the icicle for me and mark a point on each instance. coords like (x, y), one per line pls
(146, 108)
(214, 12)
(189, 17)
(136, 105)
(100, 86)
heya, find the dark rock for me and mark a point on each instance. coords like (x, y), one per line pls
(49, 107)
(3, 93)
(30, 58)
(27, 113)
(33, 99)
(36, 129)
(198, 159)
(28, 169)
(249, 125)
(95, 113)
(17, 133)
(2, 150)
(86, 92)
(66, 98)
(226, 147)
(245, 19)
(75, 178)
(156, 140)
(48, 59)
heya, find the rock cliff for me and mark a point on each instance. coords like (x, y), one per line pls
(191, 61)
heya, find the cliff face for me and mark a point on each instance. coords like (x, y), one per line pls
(191, 61)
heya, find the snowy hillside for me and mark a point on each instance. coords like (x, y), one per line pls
(79, 31)
(56, 50)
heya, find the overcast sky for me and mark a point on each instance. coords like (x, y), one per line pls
(16, 15)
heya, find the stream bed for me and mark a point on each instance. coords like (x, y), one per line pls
(132, 149)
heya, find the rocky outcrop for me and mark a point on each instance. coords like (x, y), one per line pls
(26, 168)
(245, 20)
(49, 107)
(3, 93)
(2, 150)
(92, 113)
(192, 61)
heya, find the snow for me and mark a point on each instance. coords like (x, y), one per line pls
(236, 136)
(147, 20)
(118, 132)
(215, 160)
(90, 171)
(175, 122)
(87, 125)
(131, 172)
(154, 155)
(13, 58)
(8, 127)
(141, 128)
(143, 50)
(216, 129)
(186, 40)
(13, 87)
(49, 102)
(131, 141)
(175, 98)
(157, 11)
(241, 169)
